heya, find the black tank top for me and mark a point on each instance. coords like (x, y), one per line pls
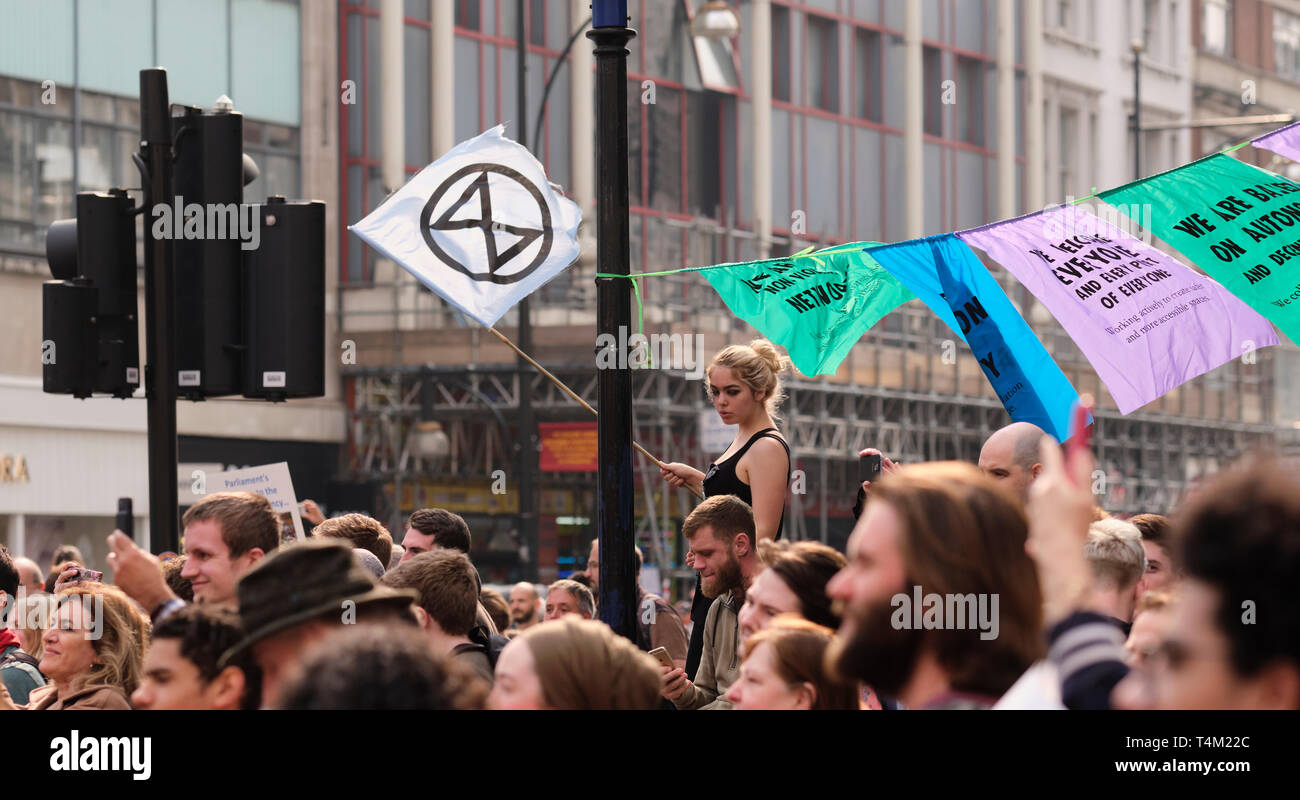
(722, 478)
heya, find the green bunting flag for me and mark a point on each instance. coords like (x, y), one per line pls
(816, 305)
(1239, 223)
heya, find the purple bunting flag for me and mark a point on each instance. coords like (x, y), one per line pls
(1146, 322)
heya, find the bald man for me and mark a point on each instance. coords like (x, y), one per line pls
(523, 606)
(29, 575)
(1011, 455)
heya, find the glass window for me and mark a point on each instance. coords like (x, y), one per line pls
(1216, 26)
(932, 59)
(866, 74)
(866, 201)
(1286, 43)
(634, 139)
(1069, 150)
(537, 23)
(970, 16)
(664, 153)
(894, 68)
(1152, 30)
(970, 102)
(704, 167)
(780, 53)
(416, 95)
(95, 159)
(824, 175)
(467, 14)
(782, 161)
(823, 64)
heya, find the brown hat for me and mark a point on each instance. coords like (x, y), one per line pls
(303, 581)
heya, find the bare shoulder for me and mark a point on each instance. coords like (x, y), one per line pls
(767, 448)
(766, 453)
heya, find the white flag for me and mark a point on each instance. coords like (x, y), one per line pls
(480, 226)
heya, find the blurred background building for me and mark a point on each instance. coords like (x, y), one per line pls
(849, 120)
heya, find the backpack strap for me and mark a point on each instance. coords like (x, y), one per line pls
(16, 656)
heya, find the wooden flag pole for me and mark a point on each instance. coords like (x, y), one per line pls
(575, 396)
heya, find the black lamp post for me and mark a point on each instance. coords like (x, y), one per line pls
(614, 523)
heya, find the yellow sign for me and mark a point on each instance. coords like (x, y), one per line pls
(13, 469)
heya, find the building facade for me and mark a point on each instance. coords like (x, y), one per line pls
(69, 122)
(850, 120)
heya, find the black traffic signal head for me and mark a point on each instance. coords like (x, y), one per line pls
(91, 340)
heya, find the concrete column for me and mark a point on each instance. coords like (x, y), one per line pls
(762, 109)
(18, 535)
(442, 44)
(1051, 147)
(392, 90)
(1006, 54)
(914, 121)
(582, 152)
(582, 115)
(1035, 167)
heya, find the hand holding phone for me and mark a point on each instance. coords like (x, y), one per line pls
(869, 466)
(125, 521)
(661, 655)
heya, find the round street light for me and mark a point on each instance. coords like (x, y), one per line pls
(716, 19)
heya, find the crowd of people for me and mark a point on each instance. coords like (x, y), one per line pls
(962, 586)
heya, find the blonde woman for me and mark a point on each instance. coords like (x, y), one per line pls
(94, 652)
(574, 664)
(744, 384)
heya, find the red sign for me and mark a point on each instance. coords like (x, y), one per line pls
(568, 446)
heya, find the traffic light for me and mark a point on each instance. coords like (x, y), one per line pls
(211, 171)
(248, 281)
(89, 328)
(284, 302)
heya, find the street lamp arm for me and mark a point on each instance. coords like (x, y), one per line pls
(550, 81)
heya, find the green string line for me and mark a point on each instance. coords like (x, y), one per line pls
(1223, 152)
(807, 252)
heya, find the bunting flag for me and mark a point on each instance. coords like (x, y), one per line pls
(948, 277)
(815, 305)
(1237, 222)
(1146, 322)
(1283, 141)
(480, 226)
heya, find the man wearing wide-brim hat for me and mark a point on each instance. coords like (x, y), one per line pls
(298, 595)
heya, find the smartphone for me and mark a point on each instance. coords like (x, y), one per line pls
(125, 520)
(84, 574)
(869, 467)
(661, 655)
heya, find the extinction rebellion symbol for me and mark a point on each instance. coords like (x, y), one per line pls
(532, 225)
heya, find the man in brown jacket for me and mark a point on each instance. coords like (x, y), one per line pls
(721, 533)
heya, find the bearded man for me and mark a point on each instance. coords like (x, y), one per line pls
(942, 607)
(723, 545)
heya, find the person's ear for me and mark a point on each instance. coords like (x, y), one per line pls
(426, 622)
(1035, 471)
(255, 555)
(741, 545)
(805, 697)
(227, 689)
